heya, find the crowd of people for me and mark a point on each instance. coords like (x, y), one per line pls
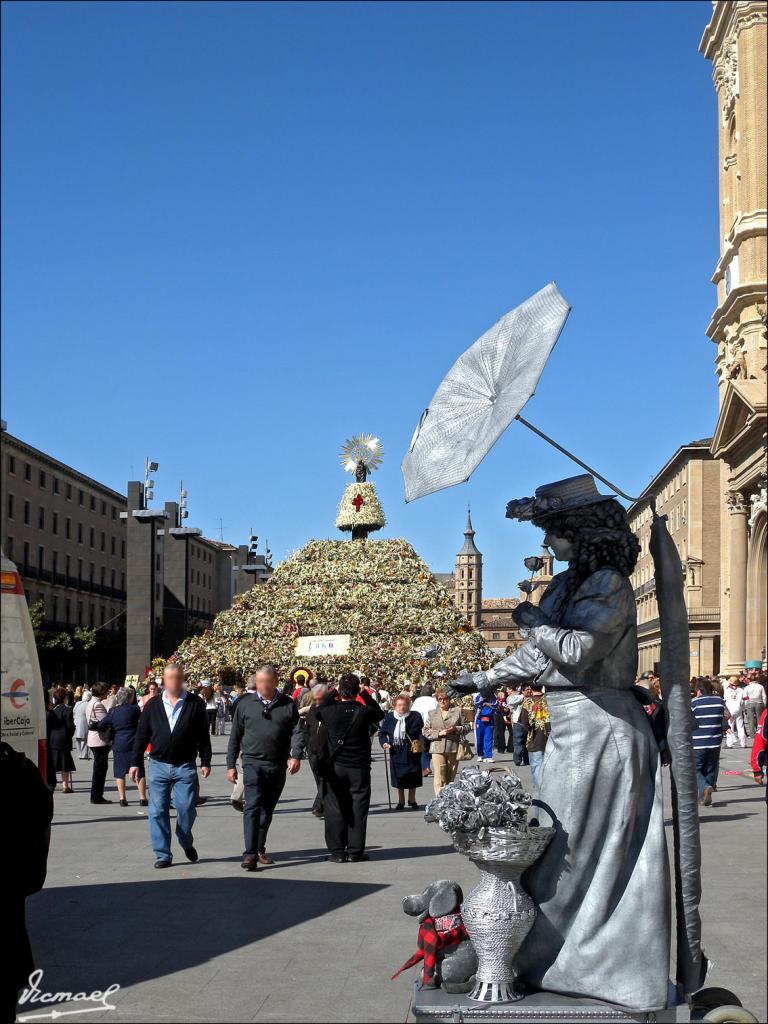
(730, 712)
(333, 726)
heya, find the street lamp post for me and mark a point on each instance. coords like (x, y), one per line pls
(141, 566)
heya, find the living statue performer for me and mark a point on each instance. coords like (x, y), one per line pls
(602, 886)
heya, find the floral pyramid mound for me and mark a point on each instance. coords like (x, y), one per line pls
(379, 592)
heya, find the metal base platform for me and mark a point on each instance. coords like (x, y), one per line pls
(438, 1005)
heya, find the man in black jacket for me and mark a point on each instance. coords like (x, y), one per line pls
(348, 774)
(266, 733)
(176, 725)
(317, 744)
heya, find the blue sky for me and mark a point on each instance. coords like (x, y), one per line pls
(235, 234)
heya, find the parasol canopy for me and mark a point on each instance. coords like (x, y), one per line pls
(482, 393)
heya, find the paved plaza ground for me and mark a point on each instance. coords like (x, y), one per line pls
(307, 940)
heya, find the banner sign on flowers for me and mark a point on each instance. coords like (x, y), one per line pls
(321, 646)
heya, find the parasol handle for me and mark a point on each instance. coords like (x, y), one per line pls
(573, 457)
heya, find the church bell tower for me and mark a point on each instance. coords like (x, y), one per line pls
(469, 577)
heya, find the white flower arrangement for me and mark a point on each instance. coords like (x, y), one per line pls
(360, 507)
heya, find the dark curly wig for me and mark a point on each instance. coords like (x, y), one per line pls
(600, 535)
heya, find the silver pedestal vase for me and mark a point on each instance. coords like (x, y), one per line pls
(498, 913)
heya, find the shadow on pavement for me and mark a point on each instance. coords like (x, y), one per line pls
(704, 819)
(132, 932)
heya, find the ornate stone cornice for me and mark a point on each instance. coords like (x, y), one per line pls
(729, 17)
(747, 15)
(739, 299)
(752, 224)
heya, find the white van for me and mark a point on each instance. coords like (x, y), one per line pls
(23, 703)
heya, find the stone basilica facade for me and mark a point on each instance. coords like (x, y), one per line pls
(735, 42)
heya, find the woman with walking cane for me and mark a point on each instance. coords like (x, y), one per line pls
(400, 736)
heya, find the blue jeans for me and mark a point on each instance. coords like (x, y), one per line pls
(707, 767)
(518, 740)
(163, 779)
(535, 757)
(484, 737)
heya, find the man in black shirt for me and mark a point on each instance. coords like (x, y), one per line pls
(348, 770)
(266, 733)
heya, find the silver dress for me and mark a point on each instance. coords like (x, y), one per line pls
(602, 887)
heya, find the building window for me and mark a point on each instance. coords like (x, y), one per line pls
(68, 568)
(122, 581)
(41, 558)
(79, 533)
(112, 545)
(80, 571)
(54, 566)
(510, 636)
(90, 573)
(92, 537)
(55, 608)
(69, 492)
(26, 555)
(67, 611)
(55, 485)
(93, 503)
(103, 615)
(55, 524)
(10, 506)
(9, 543)
(112, 579)
(114, 512)
(103, 508)
(122, 549)
(81, 498)
(12, 464)
(103, 541)
(42, 478)
(27, 471)
(79, 613)
(26, 513)
(68, 528)
(91, 616)
(41, 518)
(103, 575)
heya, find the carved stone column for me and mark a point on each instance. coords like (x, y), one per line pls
(738, 508)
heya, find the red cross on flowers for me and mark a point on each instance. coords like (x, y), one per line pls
(357, 501)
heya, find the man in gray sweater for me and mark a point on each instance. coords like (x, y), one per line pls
(268, 737)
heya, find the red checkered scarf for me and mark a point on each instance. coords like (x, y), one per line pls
(435, 933)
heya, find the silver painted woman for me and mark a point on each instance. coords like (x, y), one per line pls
(602, 887)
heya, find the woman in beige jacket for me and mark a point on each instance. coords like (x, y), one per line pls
(445, 728)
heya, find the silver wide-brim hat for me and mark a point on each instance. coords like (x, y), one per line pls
(560, 496)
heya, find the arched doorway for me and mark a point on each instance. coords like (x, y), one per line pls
(757, 597)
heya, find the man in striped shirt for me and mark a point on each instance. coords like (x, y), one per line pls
(710, 715)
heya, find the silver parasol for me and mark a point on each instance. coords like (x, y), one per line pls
(482, 393)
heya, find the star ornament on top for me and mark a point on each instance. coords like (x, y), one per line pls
(361, 454)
